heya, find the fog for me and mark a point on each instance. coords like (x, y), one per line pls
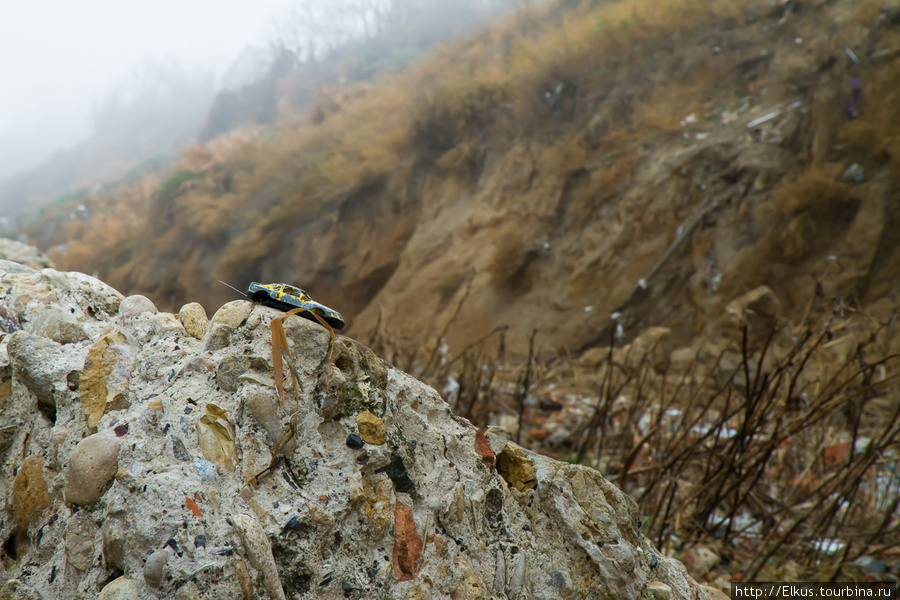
(62, 60)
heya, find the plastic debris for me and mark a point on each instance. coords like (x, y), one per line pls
(854, 173)
(854, 109)
(775, 114)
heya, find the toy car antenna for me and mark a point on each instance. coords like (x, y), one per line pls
(244, 294)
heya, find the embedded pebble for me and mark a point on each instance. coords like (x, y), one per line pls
(122, 588)
(80, 534)
(259, 551)
(104, 380)
(179, 451)
(232, 314)
(205, 469)
(354, 441)
(136, 305)
(193, 317)
(153, 412)
(407, 544)
(29, 490)
(92, 466)
(58, 325)
(516, 468)
(371, 428)
(153, 568)
(244, 579)
(656, 590)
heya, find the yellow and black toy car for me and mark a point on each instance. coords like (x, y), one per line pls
(287, 297)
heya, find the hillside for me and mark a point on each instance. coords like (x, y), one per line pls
(543, 167)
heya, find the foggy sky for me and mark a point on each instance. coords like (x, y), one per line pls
(60, 57)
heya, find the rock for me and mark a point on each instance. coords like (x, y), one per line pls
(92, 466)
(327, 520)
(758, 309)
(263, 407)
(30, 356)
(80, 534)
(104, 380)
(654, 346)
(57, 325)
(113, 534)
(232, 314)
(699, 560)
(244, 579)
(153, 568)
(9, 320)
(29, 491)
(193, 317)
(656, 590)
(134, 306)
(16, 590)
(24, 254)
(371, 428)
(483, 449)
(120, 589)
(407, 544)
(516, 468)
(259, 551)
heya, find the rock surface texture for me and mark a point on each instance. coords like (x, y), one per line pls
(151, 457)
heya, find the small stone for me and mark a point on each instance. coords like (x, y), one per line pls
(113, 535)
(205, 469)
(187, 592)
(9, 320)
(193, 317)
(179, 450)
(259, 551)
(122, 588)
(16, 590)
(232, 314)
(80, 534)
(354, 441)
(483, 449)
(229, 370)
(263, 407)
(153, 568)
(153, 413)
(30, 356)
(58, 325)
(244, 579)
(92, 466)
(29, 490)
(134, 306)
(371, 428)
(654, 561)
(107, 371)
(407, 544)
(656, 590)
(200, 541)
(516, 468)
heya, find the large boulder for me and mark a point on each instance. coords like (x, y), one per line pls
(189, 478)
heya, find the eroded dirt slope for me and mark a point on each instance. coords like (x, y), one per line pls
(615, 172)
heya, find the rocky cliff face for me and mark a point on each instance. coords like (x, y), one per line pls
(147, 455)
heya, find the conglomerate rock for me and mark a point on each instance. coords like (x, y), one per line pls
(164, 484)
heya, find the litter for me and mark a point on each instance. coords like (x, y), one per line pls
(773, 115)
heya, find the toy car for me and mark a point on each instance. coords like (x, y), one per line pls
(287, 297)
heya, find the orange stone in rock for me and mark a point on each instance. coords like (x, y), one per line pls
(407, 544)
(483, 449)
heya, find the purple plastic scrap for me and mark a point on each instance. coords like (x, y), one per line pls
(854, 109)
